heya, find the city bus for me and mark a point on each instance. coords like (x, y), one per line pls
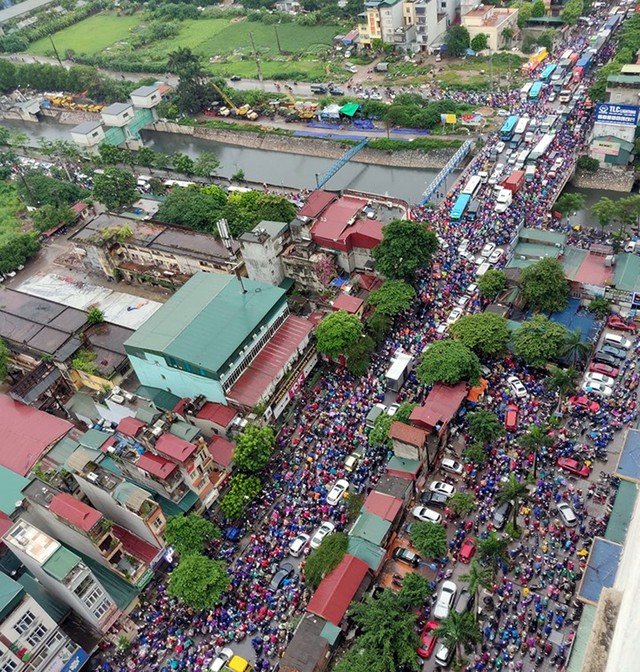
(541, 148)
(535, 90)
(472, 186)
(524, 91)
(506, 132)
(460, 206)
(545, 75)
(521, 126)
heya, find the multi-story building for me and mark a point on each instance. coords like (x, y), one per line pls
(492, 21)
(30, 639)
(431, 21)
(89, 532)
(63, 574)
(262, 251)
(386, 20)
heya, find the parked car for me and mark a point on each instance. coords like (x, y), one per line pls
(464, 601)
(455, 315)
(436, 499)
(604, 369)
(451, 466)
(284, 572)
(298, 544)
(495, 256)
(574, 467)
(501, 515)
(323, 531)
(444, 655)
(427, 515)
(393, 409)
(604, 358)
(337, 491)
(567, 514)
(488, 249)
(405, 555)
(617, 322)
(447, 595)
(518, 388)
(599, 378)
(467, 550)
(442, 487)
(617, 353)
(617, 341)
(427, 640)
(351, 462)
(511, 418)
(585, 404)
(597, 388)
(221, 659)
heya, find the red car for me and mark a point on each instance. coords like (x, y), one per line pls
(511, 418)
(585, 404)
(604, 369)
(427, 640)
(616, 322)
(467, 551)
(574, 467)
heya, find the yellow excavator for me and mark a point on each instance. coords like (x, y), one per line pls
(244, 111)
(301, 109)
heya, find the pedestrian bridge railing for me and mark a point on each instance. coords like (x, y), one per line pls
(452, 164)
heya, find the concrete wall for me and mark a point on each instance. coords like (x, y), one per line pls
(262, 260)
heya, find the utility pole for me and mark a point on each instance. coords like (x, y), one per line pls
(257, 59)
(55, 50)
(278, 39)
(491, 72)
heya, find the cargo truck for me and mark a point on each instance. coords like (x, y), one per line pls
(514, 182)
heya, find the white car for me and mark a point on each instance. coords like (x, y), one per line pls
(351, 462)
(298, 544)
(503, 113)
(463, 300)
(499, 167)
(442, 329)
(488, 249)
(451, 466)
(464, 245)
(597, 388)
(454, 315)
(337, 491)
(500, 147)
(221, 660)
(567, 514)
(445, 601)
(392, 410)
(495, 178)
(323, 531)
(599, 378)
(442, 487)
(494, 258)
(471, 289)
(518, 389)
(427, 515)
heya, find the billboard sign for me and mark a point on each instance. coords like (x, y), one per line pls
(604, 147)
(617, 115)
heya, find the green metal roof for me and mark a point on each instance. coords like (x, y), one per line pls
(581, 640)
(147, 415)
(623, 144)
(331, 633)
(11, 486)
(542, 235)
(349, 109)
(627, 272)
(61, 563)
(10, 595)
(624, 79)
(404, 464)
(184, 431)
(370, 553)
(207, 320)
(572, 260)
(56, 609)
(62, 450)
(622, 512)
(94, 438)
(370, 528)
(121, 592)
(176, 508)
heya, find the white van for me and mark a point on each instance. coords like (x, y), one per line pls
(482, 269)
(617, 341)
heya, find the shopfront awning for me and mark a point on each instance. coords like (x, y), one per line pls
(350, 109)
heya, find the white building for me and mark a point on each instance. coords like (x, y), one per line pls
(88, 134)
(117, 114)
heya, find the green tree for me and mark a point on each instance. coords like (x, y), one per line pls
(115, 188)
(194, 92)
(569, 202)
(190, 534)
(146, 157)
(599, 306)
(475, 453)
(245, 211)
(515, 492)
(507, 35)
(572, 11)
(324, 559)
(4, 360)
(379, 434)
(492, 283)
(415, 590)
(563, 381)
(539, 340)
(430, 539)
(206, 165)
(406, 248)
(65, 154)
(538, 9)
(477, 578)
(604, 211)
(15, 249)
(193, 207)
(378, 325)
(493, 550)
(524, 12)
(479, 42)
(574, 348)
(462, 503)
(110, 155)
(448, 362)
(588, 164)
(253, 448)
(50, 215)
(198, 581)
(95, 315)
(484, 426)
(360, 659)
(628, 211)
(403, 413)
(544, 285)
(547, 39)
(535, 440)
(457, 40)
(243, 489)
(484, 333)
(459, 632)
(358, 355)
(393, 297)
(37, 189)
(183, 164)
(337, 333)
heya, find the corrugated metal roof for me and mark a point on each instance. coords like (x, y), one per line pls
(370, 528)
(156, 465)
(370, 553)
(61, 563)
(94, 438)
(383, 505)
(207, 320)
(79, 514)
(55, 608)
(11, 486)
(130, 426)
(80, 457)
(174, 447)
(627, 272)
(10, 595)
(622, 512)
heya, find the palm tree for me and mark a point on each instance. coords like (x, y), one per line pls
(493, 550)
(484, 425)
(458, 631)
(561, 380)
(513, 491)
(535, 439)
(477, 578)
(574, 348)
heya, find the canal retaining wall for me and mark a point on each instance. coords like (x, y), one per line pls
(609, 179)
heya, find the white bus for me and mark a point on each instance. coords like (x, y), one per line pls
(524, 91)
(521, 126)
(472, 186)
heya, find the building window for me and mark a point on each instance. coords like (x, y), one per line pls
(26, 621)
(8, 665)
(84, 586)
(157, 523)
(38, 633)
(102, 608)
(93, 597)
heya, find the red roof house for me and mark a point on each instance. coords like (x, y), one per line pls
(156, 466)
(382, 505)
(218, 414)
(135, 546)
(26, 434)
(75, 512)
(340, 229)
(352, 304)
(440, 407)
(175, 448)
(221, 451)
(130, 426)
(316, 202)
(336, 591)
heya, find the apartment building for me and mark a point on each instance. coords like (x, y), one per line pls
(492, 21)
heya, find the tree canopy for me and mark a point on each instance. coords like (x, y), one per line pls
(484, 333)
(484, 425)
(50, 215)
(406, 247)
(430, 539)
(479, 42)
(448, 362)
(539, 340)
(198, 581)
(572, 11)
(393, 297)
(15, 249)
(325, 558)
(40, 189)
(492, 283)
(544, 285)
(244, 488)
(190, 534)
(457, 40)
(253, 448)
(194, 91)
(245, 211)
(337, 333)
(115, 188)
(193, 207)
(4, 360)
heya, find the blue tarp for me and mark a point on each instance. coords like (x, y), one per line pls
(338, 282)
(572, 319)
(327, 136)
(629, 463)
(601, 570)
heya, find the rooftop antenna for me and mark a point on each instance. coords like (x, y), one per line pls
(244, 291)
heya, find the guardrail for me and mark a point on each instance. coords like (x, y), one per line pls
(452, 164)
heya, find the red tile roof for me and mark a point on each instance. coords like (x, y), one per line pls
(156, 465)
(316, 202)
(79, 514)
(79, 207)
(385, 506)
(107, 444)
(26, 433)
(175, 448)
(130, 426)
(219, 414)
(221, 451)
(336, 591)
(352, 304)
(592, 271)
(440, 406)
(407, 434)
(135, 546)
(282, 346)
(339, 228)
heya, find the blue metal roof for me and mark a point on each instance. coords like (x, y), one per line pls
(629, 463)
(601, 570)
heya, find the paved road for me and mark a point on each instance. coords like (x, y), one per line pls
(21, 8)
